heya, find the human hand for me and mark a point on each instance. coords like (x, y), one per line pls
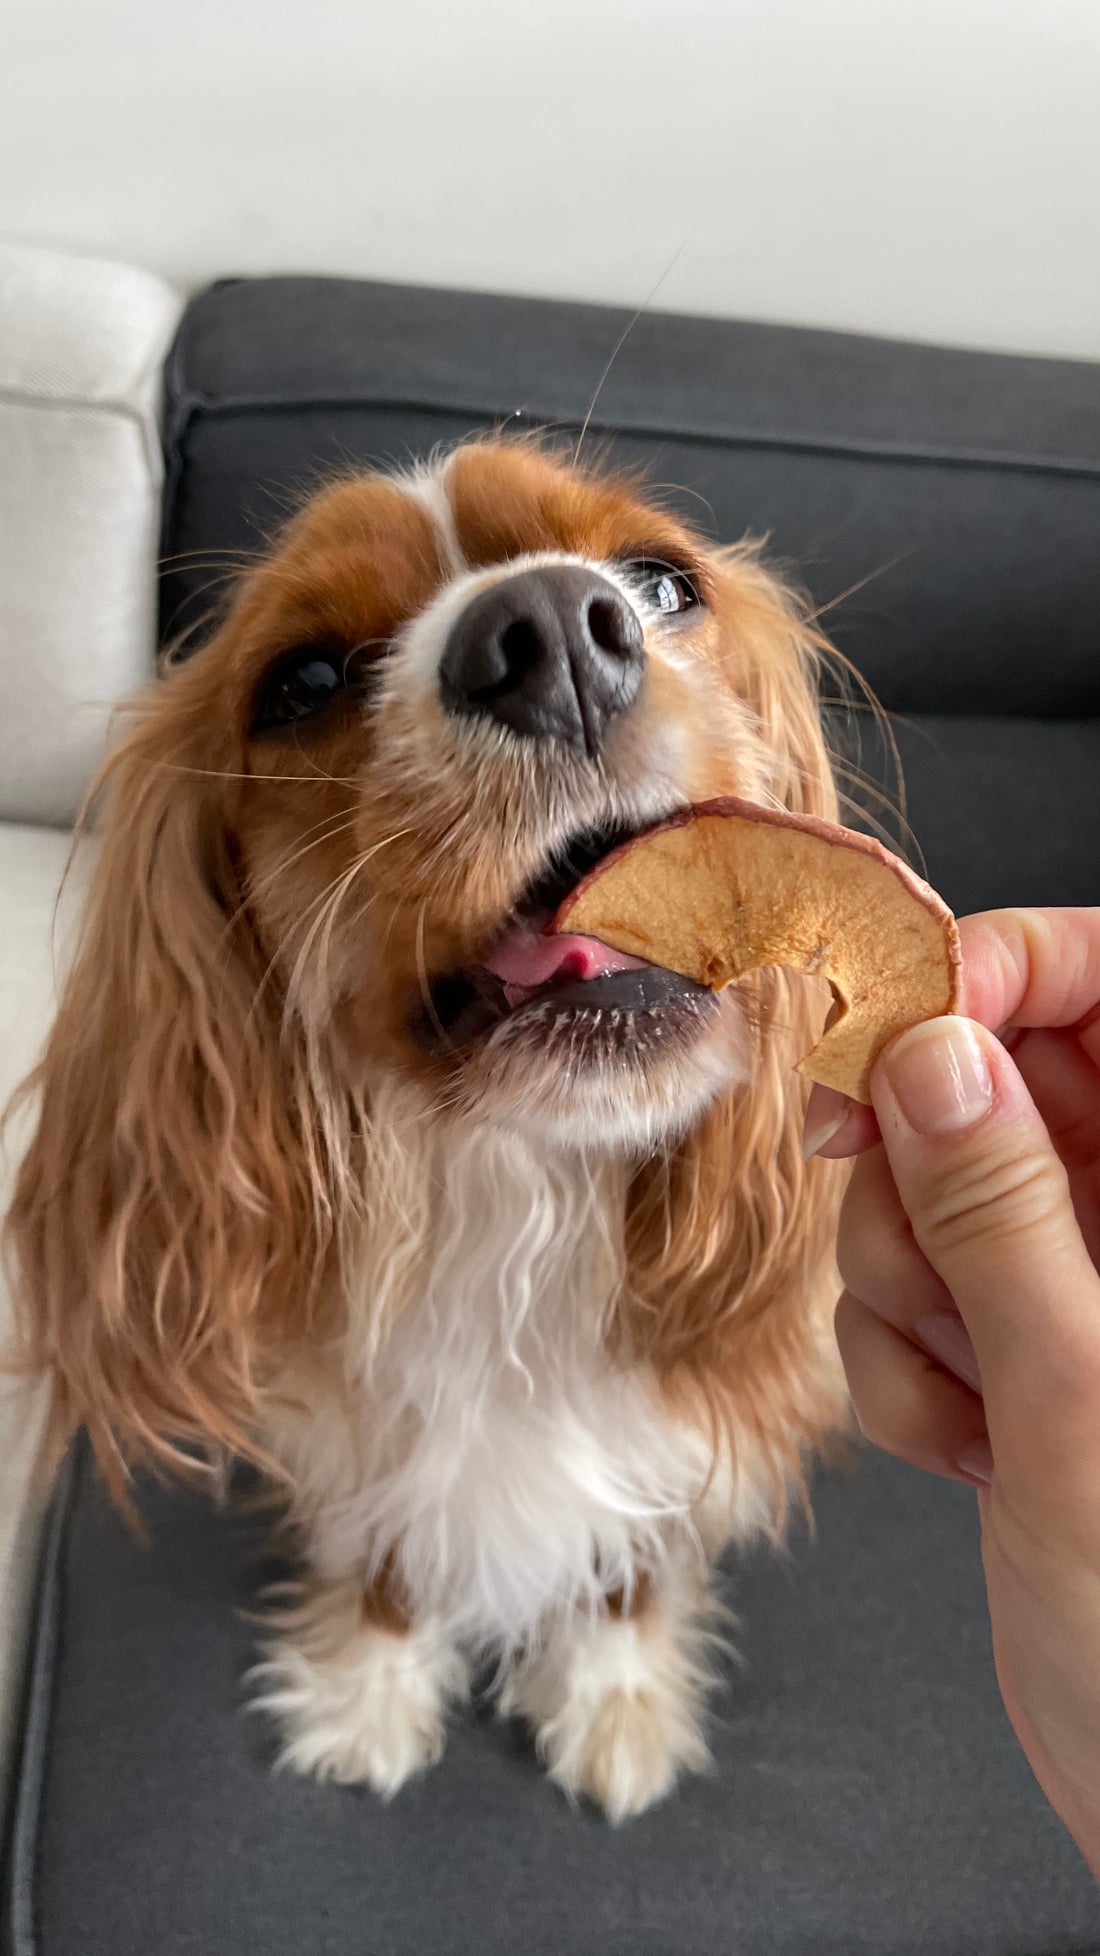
(970, 1322)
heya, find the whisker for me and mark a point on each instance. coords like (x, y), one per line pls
(422, 979)
(619, 345)
(310, 908)
(287, 862)
(322, 773)
(685, 489)
(833, 659)
(853, 590)
(435, 857)
(878, 828)
(327, 920)
(367, 856)
(211, 551)
(330, 895)
(228, 774)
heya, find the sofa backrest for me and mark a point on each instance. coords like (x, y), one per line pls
(944, 505)
(942, 508)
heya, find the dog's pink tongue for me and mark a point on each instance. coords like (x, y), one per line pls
(524, 960)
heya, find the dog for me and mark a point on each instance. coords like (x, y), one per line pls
(496, 1250)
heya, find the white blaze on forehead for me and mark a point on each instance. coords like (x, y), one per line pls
(413, 671)
(428, 486)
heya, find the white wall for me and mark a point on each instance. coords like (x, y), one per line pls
(923, 167)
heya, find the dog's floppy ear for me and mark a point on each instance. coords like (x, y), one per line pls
(730, 1235)
(730, 1265)
(171, 1196)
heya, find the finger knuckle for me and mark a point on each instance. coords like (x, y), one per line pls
(1000, 1195)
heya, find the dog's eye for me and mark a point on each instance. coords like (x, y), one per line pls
(302, 684)
(669, 588)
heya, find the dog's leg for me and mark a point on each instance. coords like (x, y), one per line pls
(359, 1693)
(615, 1698)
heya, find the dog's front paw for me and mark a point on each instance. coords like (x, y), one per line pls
(616, 1708)
(367, 1706)
(626, 1752)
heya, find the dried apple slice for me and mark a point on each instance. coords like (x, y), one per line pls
(727, 886)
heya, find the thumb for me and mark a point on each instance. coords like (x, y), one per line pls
(990, 1207)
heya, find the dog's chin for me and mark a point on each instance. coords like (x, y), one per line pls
(608, 1078)
(608, 1065)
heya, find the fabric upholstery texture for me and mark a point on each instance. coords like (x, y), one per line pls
(869, 1799)
(81, 355)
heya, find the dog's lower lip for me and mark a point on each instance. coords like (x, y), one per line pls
(467, 1006)
(624, 991)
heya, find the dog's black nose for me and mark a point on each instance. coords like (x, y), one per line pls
(553, 652)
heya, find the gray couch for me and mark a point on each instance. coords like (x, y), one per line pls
(868, 1795)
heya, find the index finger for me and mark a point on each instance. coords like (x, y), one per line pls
(1031, 967)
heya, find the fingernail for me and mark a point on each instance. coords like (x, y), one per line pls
(976, 1462)
(816, 1137)
(826, 1113)
(939, 1077)
(945, 1336)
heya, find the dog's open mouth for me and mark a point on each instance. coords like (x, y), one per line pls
(525, 970)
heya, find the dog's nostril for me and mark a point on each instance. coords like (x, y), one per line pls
(607, 628)
(523, 646)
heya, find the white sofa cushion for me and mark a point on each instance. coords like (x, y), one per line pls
(81, 350)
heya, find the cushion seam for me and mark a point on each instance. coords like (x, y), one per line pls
(976, 458)
(71, 404)
(1081, 715)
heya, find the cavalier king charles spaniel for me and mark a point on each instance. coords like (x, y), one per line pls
(496, 1250)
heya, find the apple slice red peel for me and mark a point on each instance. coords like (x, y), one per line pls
(726, 887)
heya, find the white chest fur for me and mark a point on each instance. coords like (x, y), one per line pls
(474, 1426)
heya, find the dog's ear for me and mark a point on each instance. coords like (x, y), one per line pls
(771, 655)
(730, 1236)
(168, 1224)
(730, 1264)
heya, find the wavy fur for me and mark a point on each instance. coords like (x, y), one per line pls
(522, 1325)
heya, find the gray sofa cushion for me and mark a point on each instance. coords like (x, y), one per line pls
(868, 1797)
